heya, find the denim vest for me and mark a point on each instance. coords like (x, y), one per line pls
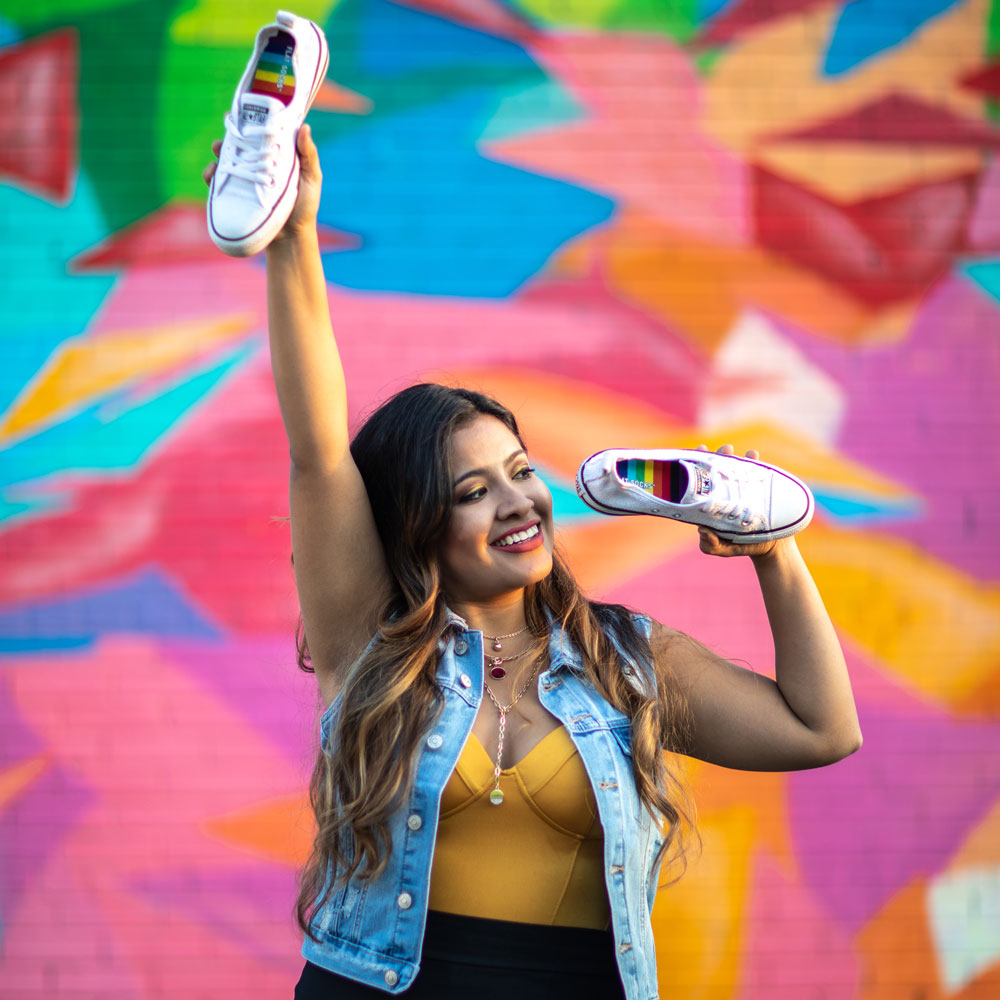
(373, 931)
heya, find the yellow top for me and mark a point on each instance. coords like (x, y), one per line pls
(536, 858)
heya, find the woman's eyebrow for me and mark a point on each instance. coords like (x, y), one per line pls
(482, 472)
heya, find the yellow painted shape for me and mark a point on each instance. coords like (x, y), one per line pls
(935, 627)
(769, 83)
(845, 172)
(581, 13)
(222, 22)
(84, 368)
(698, 921)
(16, 778)
(281, 829)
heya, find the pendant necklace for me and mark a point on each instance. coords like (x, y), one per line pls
(496, 796)
(496, 662)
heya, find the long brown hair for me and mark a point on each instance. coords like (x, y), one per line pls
(390, 697)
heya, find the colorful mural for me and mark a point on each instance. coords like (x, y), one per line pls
(770, 222)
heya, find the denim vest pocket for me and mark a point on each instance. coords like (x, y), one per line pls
(344, 910)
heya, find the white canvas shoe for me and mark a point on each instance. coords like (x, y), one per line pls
(740, 499)
(257, 179)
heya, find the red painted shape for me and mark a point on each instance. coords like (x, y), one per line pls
(39, 125)
(483, 15)
(880, 250)
(899, 118)
(173, 234)
(984, 81)
(742, 17)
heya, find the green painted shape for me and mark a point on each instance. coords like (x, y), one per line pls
(543, 105)
(993, 30)
(225, 23)
(32, 13)
(704, 61)
(675, 18)
(559, 14)
(120, 59)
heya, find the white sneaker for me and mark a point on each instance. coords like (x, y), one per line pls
(257, 179)
(741, 500)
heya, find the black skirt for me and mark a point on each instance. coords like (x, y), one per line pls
(468, 958)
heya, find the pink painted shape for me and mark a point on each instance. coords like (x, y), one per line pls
(488, 16)
(164, 757)
(792, 944)
(672, 172)
(984, 226)
(943, 377)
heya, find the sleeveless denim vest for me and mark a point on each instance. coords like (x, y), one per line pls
(373, 931)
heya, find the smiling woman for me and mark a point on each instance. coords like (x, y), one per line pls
(441, 623)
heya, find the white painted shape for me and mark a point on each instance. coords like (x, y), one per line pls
(758, 375)
(964, 911)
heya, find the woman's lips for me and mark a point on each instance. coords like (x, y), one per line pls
(527, 544)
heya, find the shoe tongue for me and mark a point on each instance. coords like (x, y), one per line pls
(256, 109)
(699, 483)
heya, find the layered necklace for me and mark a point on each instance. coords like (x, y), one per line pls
(496, 663)
(496, 796)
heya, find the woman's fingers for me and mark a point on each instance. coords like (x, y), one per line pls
(753, 453)
(308, 154)
(209, 172)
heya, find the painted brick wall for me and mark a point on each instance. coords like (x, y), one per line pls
(774, 224)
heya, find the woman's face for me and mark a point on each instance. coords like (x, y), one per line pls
(499, 538)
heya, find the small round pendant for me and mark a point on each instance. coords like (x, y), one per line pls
(497, 671)
(496, 797)
(497, 644)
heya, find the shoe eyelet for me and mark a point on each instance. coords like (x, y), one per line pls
(271, 182)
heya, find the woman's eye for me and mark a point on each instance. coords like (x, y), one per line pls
(477, 494)
(526, 473)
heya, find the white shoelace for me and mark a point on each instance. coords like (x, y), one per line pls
(734, 499)
(252, 151)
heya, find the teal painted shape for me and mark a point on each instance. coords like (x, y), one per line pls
(567, 507)
(537, 107)
(115, 434)
(986, 275)
(14, 508)
(860, 509)
(867, 28)
(9, 33)
(43, 304)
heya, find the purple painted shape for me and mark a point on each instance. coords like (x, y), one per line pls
(249, 906)
(984, 225)
(925, 413)
(866, 827)
(35, 821)
(258, 678)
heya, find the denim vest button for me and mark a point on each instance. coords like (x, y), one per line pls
(414, 822)
(434, 741)
(404, 901)
(465, 680)
(391, 978)
(461, 647)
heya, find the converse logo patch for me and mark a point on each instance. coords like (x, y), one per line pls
(253, 114)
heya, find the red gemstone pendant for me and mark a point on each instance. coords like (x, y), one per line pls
(497, 671)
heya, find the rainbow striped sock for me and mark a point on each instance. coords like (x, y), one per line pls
(274, 75)
(647, 475)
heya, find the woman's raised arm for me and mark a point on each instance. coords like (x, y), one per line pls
(340, 568)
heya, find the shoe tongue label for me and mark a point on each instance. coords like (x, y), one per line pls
(254, 112)
(703, 484)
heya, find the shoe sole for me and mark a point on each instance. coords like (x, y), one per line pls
(736, 537)
(259, 238)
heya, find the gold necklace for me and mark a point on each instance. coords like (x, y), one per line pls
(495, 639)
(496, 796)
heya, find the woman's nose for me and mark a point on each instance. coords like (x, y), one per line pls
(514, 503)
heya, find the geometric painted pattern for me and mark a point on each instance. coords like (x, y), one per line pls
(766, 223)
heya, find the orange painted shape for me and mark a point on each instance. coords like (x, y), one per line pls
(16, 778)
(280, 829)
(981, 846)
(698, 921)
(897, 950)
(333, 97)
(85, 368)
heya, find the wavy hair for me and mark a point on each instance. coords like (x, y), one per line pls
(390, 697)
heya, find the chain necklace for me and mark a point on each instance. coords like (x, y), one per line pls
(496, 663)
(496, 796)
(495, 639)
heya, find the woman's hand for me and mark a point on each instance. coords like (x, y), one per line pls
(303, 217)
(711, 544)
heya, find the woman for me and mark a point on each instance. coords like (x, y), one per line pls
(491, 796)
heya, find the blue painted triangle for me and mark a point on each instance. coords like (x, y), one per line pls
(985, 274)
(866, 28)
